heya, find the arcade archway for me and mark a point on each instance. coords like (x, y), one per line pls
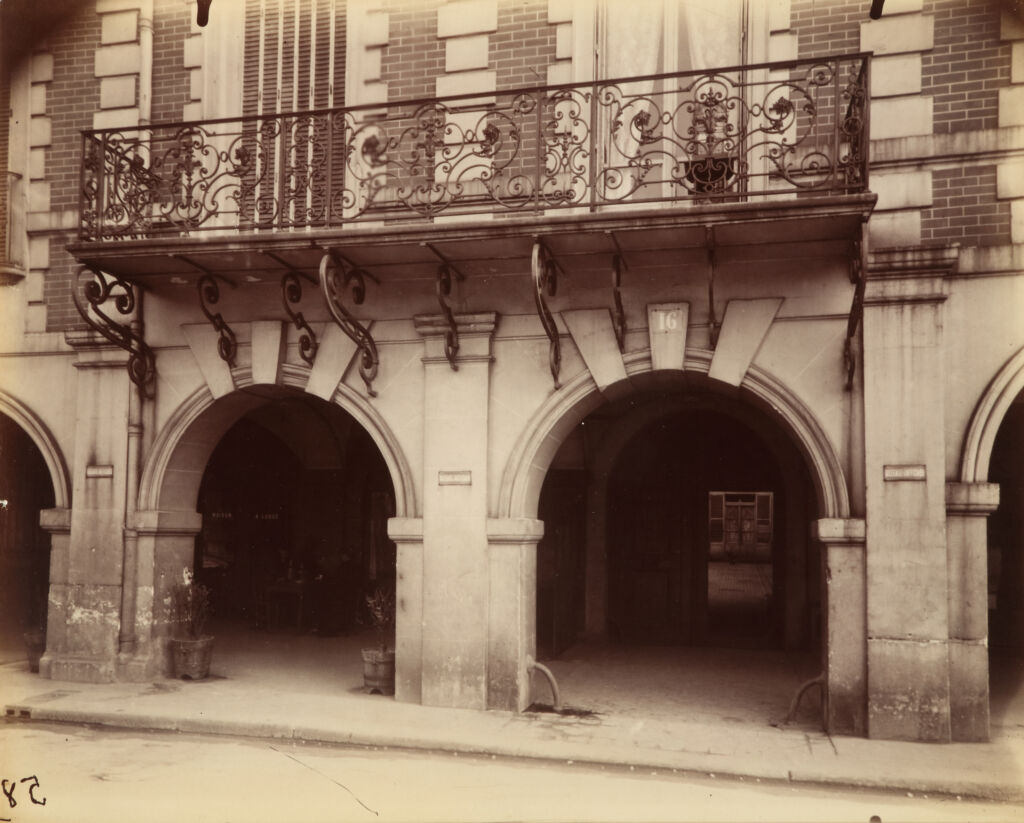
(26, 489)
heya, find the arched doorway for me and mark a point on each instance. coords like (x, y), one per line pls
(26, 489)
(295, 500)
(201, 463)
(1006, 565)
(676, 517)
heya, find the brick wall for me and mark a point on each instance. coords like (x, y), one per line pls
(171, 25)
(968, 65)
(827, 27)
(965, 210)
(414, 57)
(524, 45)
(74, 95)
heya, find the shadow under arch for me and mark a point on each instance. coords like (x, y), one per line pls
(173, 472)
(47, 445)
(987, 417)
(528, 463)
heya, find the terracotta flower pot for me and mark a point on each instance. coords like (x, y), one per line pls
(379, 671)
(191, 658)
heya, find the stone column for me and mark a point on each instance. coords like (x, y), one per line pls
(456, 567)
(845, 652)
(165, 548)
(407, 533)
(58, 523)
(89, 592)
(904, 427)
(512, 614)
(968, 506)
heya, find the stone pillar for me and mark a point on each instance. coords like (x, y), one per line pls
(512, 615)
(904, 428)
(165, 548)
(58, 523)
(845, 652)
(407, 533)
(456, 567)
(968, 506)
(89, 592)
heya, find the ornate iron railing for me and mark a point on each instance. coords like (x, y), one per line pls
(744, 133)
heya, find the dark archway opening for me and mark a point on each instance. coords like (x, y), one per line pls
(696, 536)
(677, 556)
(25, 489)
(1006, 571)
(295, 501)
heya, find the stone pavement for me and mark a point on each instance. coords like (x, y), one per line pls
(243, 706)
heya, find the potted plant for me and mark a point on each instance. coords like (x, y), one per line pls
(191, 647)
(379, 662)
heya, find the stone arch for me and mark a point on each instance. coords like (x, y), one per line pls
(988, 417)
(47, 445)
(527, 466)
(172, 473)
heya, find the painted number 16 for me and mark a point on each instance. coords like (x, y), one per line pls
(668, 320)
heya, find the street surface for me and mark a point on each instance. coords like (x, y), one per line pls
(57, 773)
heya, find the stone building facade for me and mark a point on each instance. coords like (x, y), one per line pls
(567, 319)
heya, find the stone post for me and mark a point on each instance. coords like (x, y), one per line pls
(407, 533)
(905, 461)
(58, 523)
(89, 590)
(968, 506)
(845, 662)
(512, 614)
(455, 562)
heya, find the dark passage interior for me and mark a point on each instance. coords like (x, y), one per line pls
(25, 489)
(678, 519)
(295, 501)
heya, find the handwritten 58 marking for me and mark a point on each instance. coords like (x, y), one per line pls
(9, 786)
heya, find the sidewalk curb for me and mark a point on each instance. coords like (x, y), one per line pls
(704, 764)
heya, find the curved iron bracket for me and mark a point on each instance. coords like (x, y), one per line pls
(97, 290)
(714, 326)
(618, 314)
(209, 293)
(335, 278)
(444, 288)
(291, 293)
(858, 276)
(545, 284)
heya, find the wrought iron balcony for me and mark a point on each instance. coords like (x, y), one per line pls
(741, 134)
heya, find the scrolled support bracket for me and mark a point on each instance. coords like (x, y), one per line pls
(714, 326)
(858, 276)
(90, 294)
(209, 295)
(445, 274)
(618, 313)
(291, 294)
(336, 277)
(545, 284)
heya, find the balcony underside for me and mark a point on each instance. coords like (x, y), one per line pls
(655, 239)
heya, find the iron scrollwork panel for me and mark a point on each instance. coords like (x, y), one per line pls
(91, 295)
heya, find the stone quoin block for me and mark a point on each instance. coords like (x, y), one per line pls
(119, 27)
